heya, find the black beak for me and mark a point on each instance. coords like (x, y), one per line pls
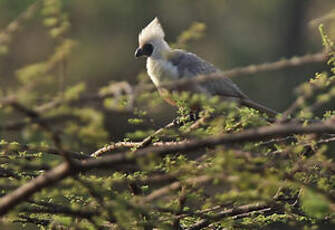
(138, 52)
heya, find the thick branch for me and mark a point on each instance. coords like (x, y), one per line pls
(26, 190)
(258, 134)
(60, 172)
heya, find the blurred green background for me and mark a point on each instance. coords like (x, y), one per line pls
(238, 33)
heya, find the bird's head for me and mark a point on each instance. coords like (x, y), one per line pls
(151, 41)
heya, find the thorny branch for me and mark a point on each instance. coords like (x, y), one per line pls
(64, 170)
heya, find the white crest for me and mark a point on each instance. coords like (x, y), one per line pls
(152, 31)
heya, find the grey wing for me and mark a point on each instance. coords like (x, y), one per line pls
(190, 65)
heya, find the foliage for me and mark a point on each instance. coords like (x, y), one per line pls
(213, 179)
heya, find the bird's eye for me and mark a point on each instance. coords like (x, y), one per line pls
(148, 49)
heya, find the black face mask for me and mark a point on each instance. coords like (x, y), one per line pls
(146, 50)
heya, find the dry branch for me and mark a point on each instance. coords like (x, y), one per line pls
(149, 139)
(277, 65)
(248, 70)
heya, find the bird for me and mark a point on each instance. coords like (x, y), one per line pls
(166, 65)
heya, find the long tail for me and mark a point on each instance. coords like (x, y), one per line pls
(272, 113)
(259, 107)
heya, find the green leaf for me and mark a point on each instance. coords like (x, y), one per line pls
(314, 204)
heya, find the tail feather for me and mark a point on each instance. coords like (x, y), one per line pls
(259, 107)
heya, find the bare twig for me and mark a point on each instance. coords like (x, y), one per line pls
(149, 139)
(281, 64)
(136, 145)
(114, 146)
(122, 144)
(6, 34)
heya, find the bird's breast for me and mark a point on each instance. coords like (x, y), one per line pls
(161, 71)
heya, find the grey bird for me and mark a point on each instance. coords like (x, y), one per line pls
(165, 65)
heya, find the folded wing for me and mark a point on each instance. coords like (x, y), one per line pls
(190, 65)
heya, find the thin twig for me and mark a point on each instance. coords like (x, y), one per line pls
(175, 186)
(149, 139)
(240, 71)
(241, 210)
(44, 149)
(6, 34)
